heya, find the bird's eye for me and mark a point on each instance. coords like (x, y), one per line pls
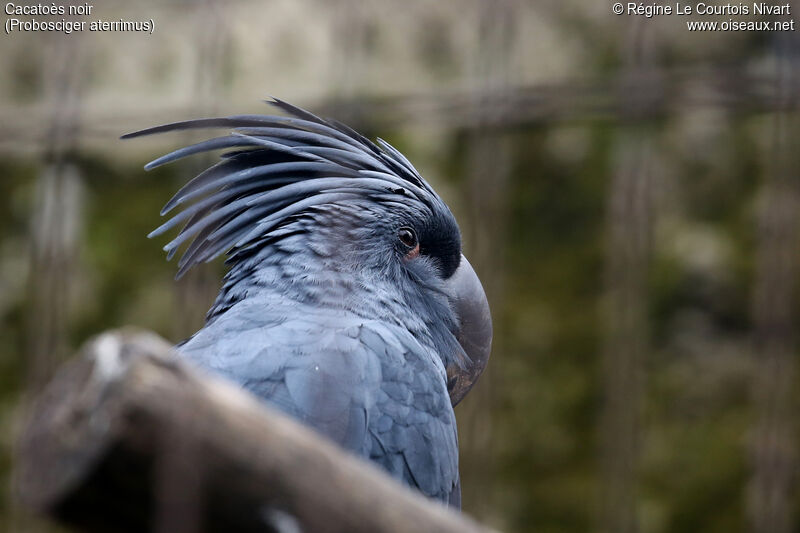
(407, 237)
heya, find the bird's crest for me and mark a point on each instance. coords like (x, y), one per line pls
(279, 167)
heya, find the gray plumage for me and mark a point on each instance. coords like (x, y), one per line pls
(325, 313)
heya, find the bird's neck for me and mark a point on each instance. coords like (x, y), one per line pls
(275, 280)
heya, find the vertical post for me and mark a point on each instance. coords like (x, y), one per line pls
(55, 227)
(625, 349)
(56, 214)
(773, 453)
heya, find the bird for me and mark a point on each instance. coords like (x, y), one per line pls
(347, 302)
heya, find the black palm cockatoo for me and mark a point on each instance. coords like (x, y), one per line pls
(348, 303)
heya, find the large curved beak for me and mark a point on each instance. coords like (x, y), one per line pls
(475, 329)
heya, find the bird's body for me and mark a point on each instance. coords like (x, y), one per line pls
(341, 360)
(338, 307)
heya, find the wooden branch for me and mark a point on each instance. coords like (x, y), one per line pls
(129, 438)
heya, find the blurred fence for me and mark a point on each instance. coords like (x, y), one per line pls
(656, 396)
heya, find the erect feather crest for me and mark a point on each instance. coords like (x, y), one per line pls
(280, 166)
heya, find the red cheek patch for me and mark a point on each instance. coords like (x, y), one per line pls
(412, 253)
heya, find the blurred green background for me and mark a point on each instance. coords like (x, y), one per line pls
(627, 190)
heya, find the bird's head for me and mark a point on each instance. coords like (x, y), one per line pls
(299, 188)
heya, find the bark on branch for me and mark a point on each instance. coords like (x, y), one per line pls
(128, 438)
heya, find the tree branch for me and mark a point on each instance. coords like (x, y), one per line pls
(129, 438)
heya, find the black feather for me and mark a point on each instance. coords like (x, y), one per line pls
(280, 166)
